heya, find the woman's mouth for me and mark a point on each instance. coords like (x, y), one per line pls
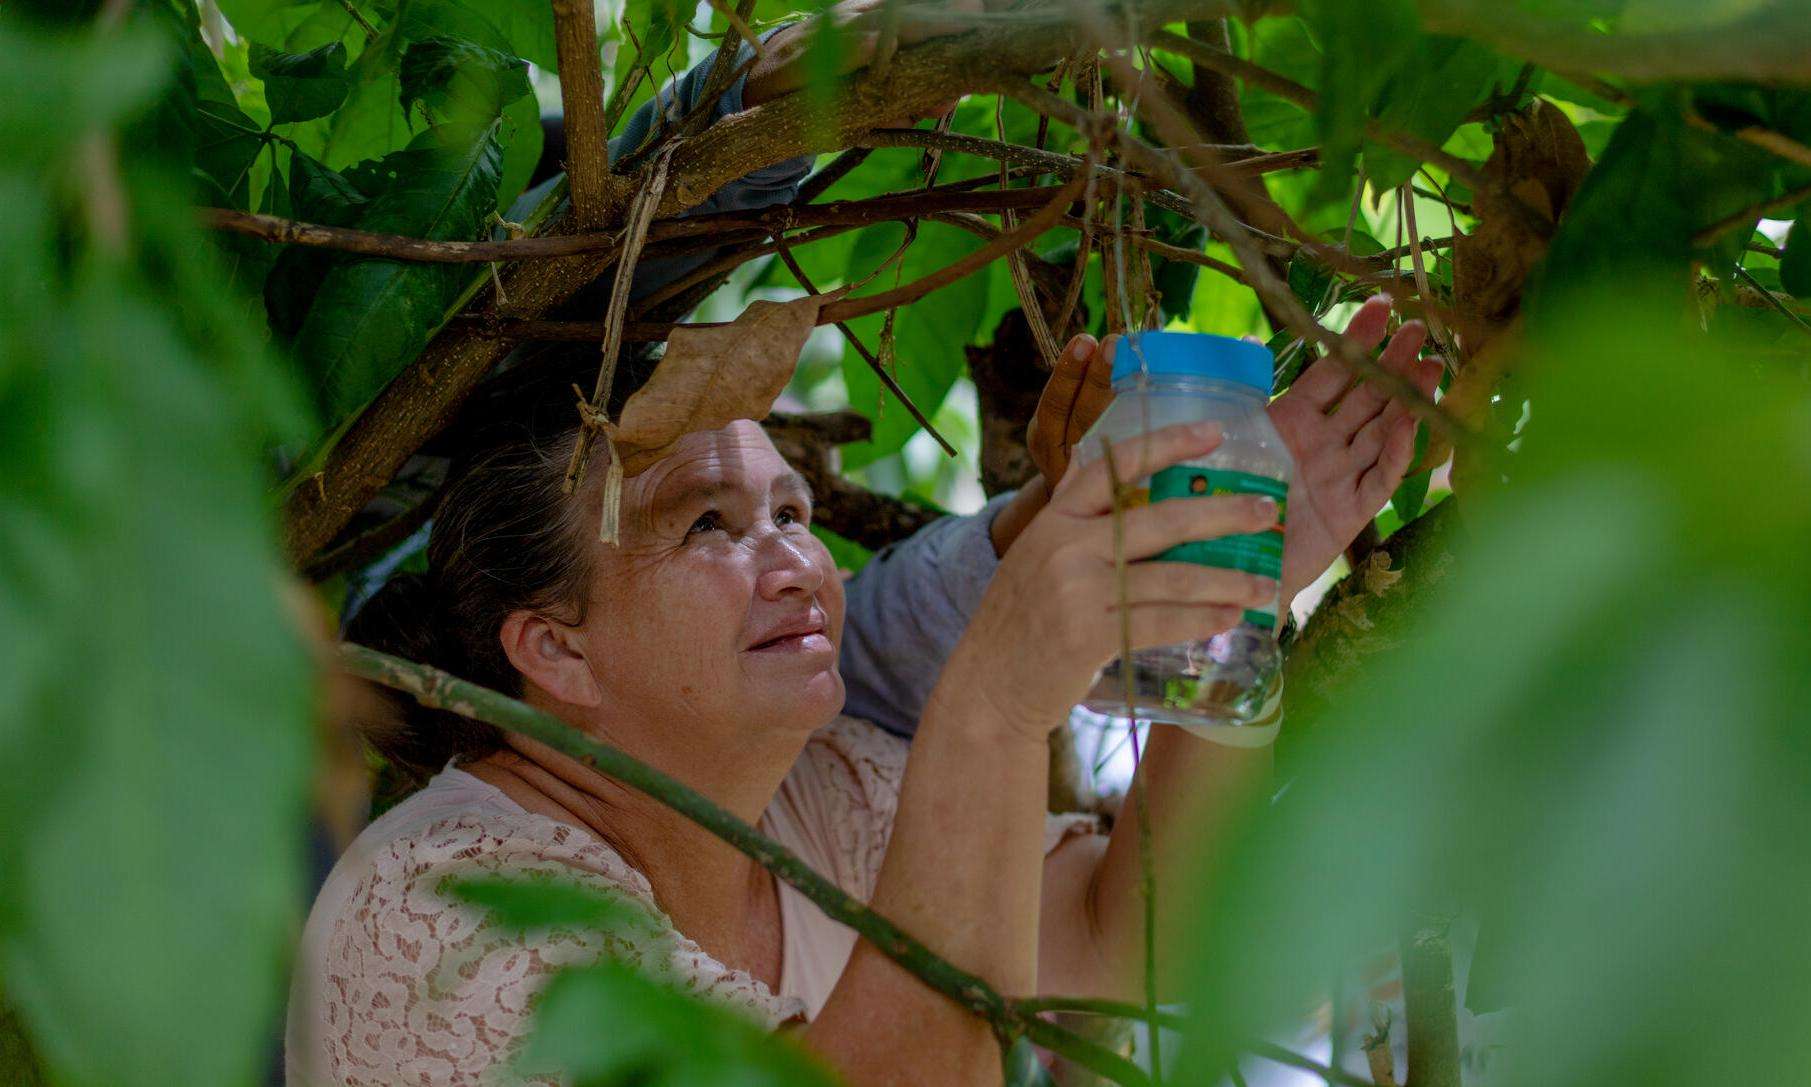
(803, 635)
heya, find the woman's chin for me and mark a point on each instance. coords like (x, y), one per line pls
(807, 703)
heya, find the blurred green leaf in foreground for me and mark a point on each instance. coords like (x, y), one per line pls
(1596, 740)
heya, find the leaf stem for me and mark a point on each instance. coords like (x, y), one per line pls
(363, 23)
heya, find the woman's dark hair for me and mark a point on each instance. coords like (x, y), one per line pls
(505, 537)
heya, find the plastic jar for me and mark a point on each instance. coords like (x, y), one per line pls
(1164, 378)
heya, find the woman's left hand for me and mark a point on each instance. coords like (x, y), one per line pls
(1351, 443)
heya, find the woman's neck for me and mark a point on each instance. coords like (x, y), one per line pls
(713, 893)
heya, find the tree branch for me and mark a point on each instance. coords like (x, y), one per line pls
(441, 690)
(847, 308)
(1771, 43)
(582, 98)
(420, 400)
(1430, 1006)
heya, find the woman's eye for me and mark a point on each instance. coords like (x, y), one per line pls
(790, 515)
(706, 523)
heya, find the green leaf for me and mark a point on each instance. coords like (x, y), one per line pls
(525, 30)
(1282, 45)
(52, 89)
(543, 903)
(928, 334)
(846, 553)
(1409, 497)
(1365, 45)
(460, 82)
(657, 25)
(372, 317)
(610, 1025)
(302, 86)
(1595, 732)
(1430, 99)
(1795, 263)
(226, 146)
(1658, 183)
(1174, 279)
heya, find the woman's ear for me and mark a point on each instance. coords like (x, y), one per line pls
(549, 655)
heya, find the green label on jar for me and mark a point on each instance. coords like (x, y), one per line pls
(1258, 553)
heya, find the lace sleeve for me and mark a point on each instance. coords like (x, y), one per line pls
(420, 987)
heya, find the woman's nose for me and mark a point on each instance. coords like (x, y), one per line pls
(787, 567)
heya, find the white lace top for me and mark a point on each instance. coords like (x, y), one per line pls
(398, 983)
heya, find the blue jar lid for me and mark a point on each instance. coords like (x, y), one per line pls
(1195, 354)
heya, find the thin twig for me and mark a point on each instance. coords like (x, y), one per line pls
(886, 379)
(855, 307)
(739, 23)
(641, 215)
(1147, 875)
(363, 24)
(1748, 216)
(832, 172)
(1405, 212)
(440, 690)
(1772, 299)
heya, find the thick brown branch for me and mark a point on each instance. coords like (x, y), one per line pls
(1770, 42)
(919, 81)
(582, 98)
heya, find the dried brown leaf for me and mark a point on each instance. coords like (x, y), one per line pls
(713, 376)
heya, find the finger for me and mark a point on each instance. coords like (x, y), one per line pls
(1370, 439)
(1167, 624)
(1367, 398)
(1095, 392)
(1381, 480)
(1426, 374)
(1323, 382)
(1088, 490)
(1048, 434)
(1153, 529)
(1371, 323)
(1152, 583)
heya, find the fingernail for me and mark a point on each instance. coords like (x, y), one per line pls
(1078, 349)
(1204, 431)
(1264, 507)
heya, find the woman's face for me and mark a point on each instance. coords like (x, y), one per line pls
(718, 607)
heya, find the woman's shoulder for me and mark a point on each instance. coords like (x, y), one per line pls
(458, 827)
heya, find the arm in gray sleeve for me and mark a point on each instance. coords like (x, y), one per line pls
(907, 609)
(775, 184)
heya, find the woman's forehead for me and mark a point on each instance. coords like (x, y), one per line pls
(738, 456)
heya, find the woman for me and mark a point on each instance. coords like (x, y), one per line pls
(707, 644)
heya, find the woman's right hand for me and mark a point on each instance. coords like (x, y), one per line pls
(1050, 618)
